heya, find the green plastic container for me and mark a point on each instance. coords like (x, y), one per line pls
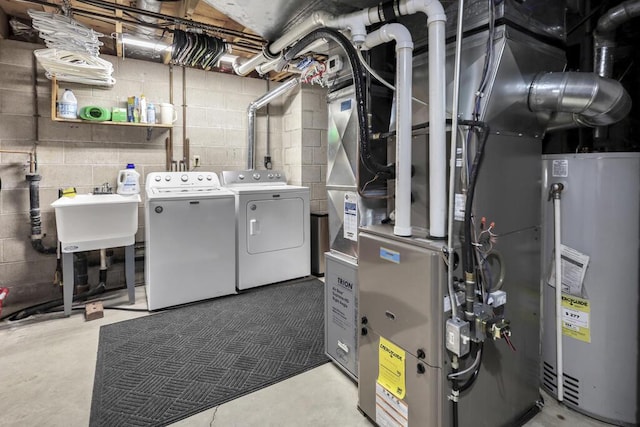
(118, 114)
(98, 114)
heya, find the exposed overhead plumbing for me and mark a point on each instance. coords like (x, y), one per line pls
(356, 24)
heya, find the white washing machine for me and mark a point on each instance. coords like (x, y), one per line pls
(190, 240)
(272, 225)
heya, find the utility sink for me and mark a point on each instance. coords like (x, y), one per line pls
(94, 221)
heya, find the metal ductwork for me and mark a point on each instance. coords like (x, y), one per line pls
(254, 107)
(605, 34)
(142, 42)
(578, 99)
(149, 6)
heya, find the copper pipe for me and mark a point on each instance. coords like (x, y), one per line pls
(31, 157)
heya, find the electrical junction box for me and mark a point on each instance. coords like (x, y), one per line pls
(457, 337)
(334, 64)
(497, 298)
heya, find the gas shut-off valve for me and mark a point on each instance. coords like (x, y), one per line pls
(482, 324)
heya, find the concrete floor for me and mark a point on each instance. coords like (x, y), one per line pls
(47, 367)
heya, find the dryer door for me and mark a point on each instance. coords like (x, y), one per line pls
(274, 224)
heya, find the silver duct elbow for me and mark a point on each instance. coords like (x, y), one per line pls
(578, 99)
(605, 34)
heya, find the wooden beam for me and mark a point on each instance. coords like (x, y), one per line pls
(4, 25)
(118, 31)
(188, 7)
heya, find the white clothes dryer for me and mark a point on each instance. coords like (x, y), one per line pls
(190, 239)
(272, 227)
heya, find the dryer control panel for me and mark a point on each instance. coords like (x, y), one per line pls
(253, 177)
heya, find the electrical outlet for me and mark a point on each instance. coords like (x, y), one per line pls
(196, 161)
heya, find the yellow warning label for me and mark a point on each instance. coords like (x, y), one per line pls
(391, 372)
(575, 318)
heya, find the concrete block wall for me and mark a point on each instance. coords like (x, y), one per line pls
(87, 155)
(305, 142)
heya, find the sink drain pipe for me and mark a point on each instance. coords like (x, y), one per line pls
(34, 214)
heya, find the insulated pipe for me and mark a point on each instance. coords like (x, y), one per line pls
(316, 20)
(280, 64)
(404, 61)
(604, 36)
(591, 100)
(251, 113)
(554, 193)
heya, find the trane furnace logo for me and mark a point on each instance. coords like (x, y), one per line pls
(345, 284)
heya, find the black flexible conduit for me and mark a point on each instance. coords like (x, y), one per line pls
(483, 133)
(376, 168)
(47, 306)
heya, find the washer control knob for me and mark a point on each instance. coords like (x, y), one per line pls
(158, 178)
(184, 178)
(240, 177)
(209, 177)
(200, 177)
(256, 176)
(167, 178)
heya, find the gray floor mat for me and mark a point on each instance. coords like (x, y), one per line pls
(159, 369)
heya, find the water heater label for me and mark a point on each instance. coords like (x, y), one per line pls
(391, 361)
(560, 169)
(351, 216)
(390, 411)
(575, 318)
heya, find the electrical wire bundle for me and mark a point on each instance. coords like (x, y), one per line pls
(313, 72)
(469, 176)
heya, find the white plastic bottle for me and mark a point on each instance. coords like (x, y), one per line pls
(151, 113)
(68, 105)
(128, 180)
(143, 109)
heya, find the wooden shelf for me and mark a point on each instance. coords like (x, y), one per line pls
(55, 118)
(98, 122)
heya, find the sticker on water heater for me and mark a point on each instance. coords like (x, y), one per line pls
(560, 168)
(350, 227)
(574, 266)
(575, 318)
